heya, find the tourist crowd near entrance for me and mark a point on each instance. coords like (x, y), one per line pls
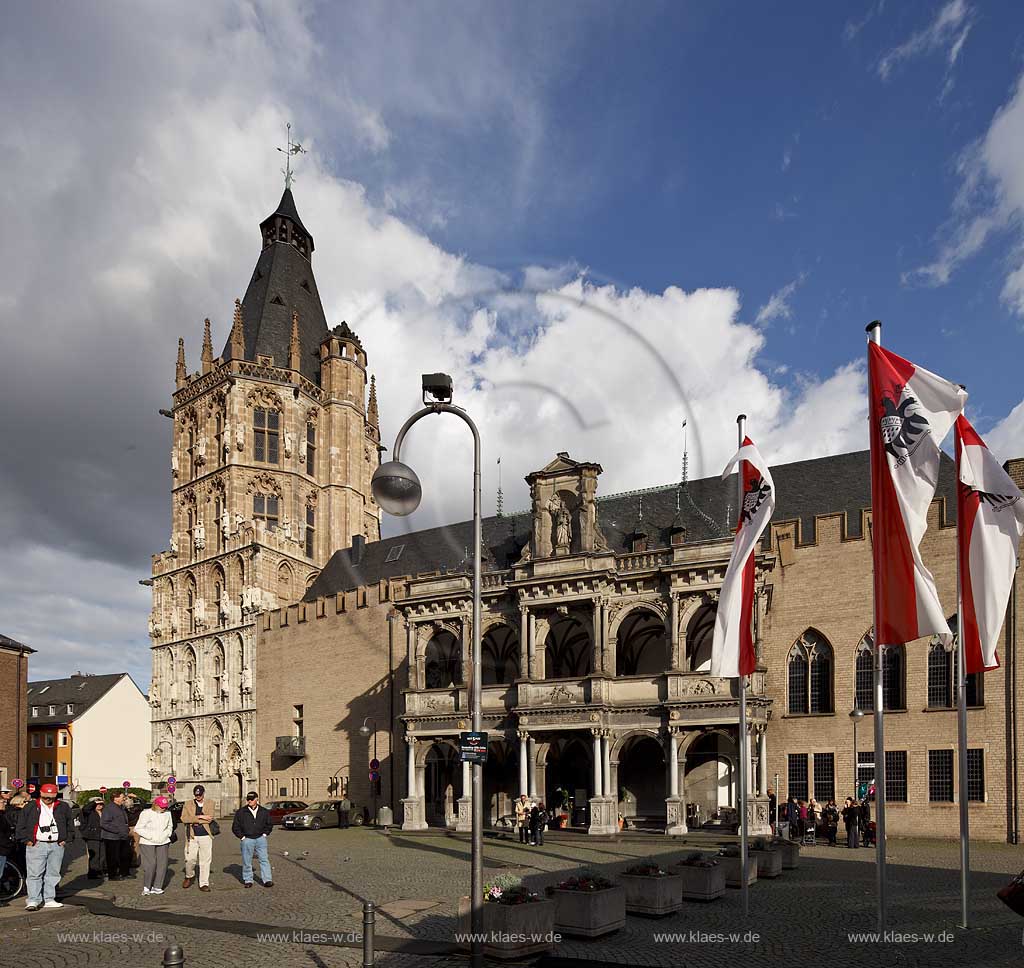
(282, 624)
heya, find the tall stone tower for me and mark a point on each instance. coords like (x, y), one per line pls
(274, 444)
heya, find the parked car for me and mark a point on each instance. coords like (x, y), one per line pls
(325, 813)
(278, 808)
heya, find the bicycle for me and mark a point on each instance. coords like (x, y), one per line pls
(12, 882)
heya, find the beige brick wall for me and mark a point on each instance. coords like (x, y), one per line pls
(332, 658)
(13, 714)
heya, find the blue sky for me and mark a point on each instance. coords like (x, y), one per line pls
(601, 218)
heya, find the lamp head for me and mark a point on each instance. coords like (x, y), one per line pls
(364, 730)
(438, 386)
(396, 488)
(856, 714)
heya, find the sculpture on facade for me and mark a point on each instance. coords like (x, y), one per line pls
(563, 524)
(240, 436)
(246, 680)
(173, 544)
(199, 536)
(200, 451)
(199, 613)
(289, 441)
(154, 693)
(226, 438)
(225, 524)
(197, 688)
(286, 527)
(174, 461)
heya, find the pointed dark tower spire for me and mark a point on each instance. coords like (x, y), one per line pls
(235, 349)
(180, 373)
(294, 346)
(282, 285)
(372, 417)
(207, 347)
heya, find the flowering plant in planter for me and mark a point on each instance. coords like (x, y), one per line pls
(648, 868)
(586, 883)
(697, 859)
(506, 889)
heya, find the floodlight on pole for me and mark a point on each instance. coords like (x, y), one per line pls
(396, 488)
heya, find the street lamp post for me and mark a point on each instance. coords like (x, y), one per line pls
(856, 715)
(396, 488)
(364, 731)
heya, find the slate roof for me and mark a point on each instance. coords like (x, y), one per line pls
(283, 283)
(6, 642)
(840, 484)
(82, 691)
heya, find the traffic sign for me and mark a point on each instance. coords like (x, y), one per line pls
(171, 779)
(473, 747)
(374, 764)
(18, 783)
(103, 789)
(374, 776)
(127, 784)
(62, 781)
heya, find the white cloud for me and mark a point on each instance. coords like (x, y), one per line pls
(778, 306)
(990, 199)
(947, 32)
(1006, 438)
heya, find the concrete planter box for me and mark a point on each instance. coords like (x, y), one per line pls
(790, 854)
(590, 914)
(731, 866)
(702, 883)
(502, 922)
(769, 863)
(652, 895)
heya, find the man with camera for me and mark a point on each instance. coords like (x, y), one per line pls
(44, 827)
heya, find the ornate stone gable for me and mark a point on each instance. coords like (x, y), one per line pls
(564, 510)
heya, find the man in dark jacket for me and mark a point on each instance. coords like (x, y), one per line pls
(252, 826)
(851, 817)
(116, 837)
(44, 827)
(865, 823)
(92, 835)
(8, 845)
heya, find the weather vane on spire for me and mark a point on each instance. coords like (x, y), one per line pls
(294, 148)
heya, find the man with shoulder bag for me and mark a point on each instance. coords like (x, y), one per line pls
(200, 829)
(44, 827)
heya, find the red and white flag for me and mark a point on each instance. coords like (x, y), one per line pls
(732, 649)
(911, 410)
(989, 526)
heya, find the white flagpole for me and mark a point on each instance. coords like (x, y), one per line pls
(874, 331)
(961, 725)
(743, 744)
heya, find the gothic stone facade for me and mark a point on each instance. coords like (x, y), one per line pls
(273, 446)
(596, 628)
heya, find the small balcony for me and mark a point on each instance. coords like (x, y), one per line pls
(290, 746)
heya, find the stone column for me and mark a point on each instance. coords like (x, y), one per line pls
(464, 808)
(531, 767)
(413, 806)
(524, 756)
(598, 644)
(603, 812)
(675, 661)
(535, 672)
(525, 653)
(410, 645)
(675, 810)
(597, 764)
(606, 750)
(762, 763)
(673, 764)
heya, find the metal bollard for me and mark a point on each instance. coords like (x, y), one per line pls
(174, 956)
(368, 920)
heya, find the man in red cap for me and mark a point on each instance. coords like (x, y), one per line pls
(44, 827)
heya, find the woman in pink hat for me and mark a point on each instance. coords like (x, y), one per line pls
(154, 829)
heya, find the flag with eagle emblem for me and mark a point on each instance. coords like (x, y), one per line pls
(911, 411)
(989, 525)
(732, 649)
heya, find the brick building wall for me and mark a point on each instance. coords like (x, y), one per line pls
(13, 712)
(331, 657)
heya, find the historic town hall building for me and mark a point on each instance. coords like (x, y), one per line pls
(283, 625)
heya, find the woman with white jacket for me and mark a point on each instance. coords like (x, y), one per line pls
(154, 828)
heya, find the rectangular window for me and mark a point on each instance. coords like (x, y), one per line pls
(824, 777)
(310, 532)
(49, 740)
(53, 711)
(940, 776)
(62, 738)
(62, 768)
(976, 774)
(798, 775)
(218, 439)
(265, 508)
(266, 425)
(35, 710)
(297, 720)
(311, 450)
(36, 769)
(896, 775)
(218, 531)
(49, 769)
(71, 708)
(35, 741)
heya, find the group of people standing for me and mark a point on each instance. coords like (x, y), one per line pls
(805, 815)
(34, 833)
(531, 819)
(857, 817)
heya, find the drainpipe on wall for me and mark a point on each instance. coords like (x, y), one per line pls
(391, 713)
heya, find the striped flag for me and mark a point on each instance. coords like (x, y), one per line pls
(911, 411)
(732, 649)
(989, 525)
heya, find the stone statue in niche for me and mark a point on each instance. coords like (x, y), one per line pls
(197, 688)
(174, 461)
(246, 681)
(199, 536)
(201, 449)
(200, 612)
(154, 693)
(172, 692)
(286, 527)
(302, 451)
(239, 521)
(225, 524)
(289, 441)
(240, 436)
(174, 545)
(563, 524)
(226, 438)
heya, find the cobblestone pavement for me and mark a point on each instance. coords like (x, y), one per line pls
(415, 881)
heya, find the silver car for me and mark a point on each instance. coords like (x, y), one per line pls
(325, 813)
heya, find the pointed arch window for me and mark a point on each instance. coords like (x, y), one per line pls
(218, 438)
(894, 675)
(311, 449)
(810, 675)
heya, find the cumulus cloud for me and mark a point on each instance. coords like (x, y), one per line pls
(1006, 438)
(947, 33)
(778, 306)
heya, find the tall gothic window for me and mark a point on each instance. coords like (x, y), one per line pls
(975, 680)
(265, 508)
(311, 450)
(218, 439)
(218, 531)
(266, 426)
(865, 695)
(894, 676)
(810, 675)
(191, 454)
(310, 532)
